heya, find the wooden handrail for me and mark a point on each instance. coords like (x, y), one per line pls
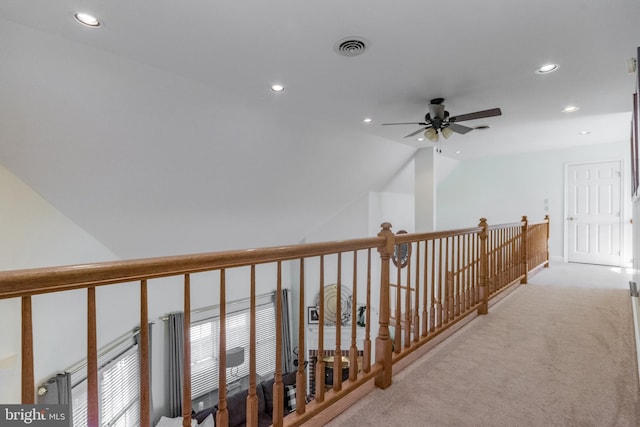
(16, 283)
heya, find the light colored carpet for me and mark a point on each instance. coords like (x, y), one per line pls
(557, 352)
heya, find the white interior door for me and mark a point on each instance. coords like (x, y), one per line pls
(593, 213)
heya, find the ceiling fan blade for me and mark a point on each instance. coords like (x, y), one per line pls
(417, 132)
(459, 128)
(412, 123)
(477, 115)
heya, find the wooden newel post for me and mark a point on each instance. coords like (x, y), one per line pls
(484, 268)
(546, 242)
(525, 250)
(383, 341)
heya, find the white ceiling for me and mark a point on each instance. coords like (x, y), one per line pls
(158, 133)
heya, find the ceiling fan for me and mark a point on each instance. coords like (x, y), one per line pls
(437, 120)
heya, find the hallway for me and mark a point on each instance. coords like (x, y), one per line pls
(559, 351)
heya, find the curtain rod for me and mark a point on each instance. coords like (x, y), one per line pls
(80, 365)
(212, 307)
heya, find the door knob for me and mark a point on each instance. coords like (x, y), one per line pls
(570, 218)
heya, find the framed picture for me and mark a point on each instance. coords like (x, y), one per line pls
(312, 315)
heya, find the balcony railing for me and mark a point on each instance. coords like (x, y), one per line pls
(415, 287)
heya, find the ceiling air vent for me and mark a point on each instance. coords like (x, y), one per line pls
(351, 46)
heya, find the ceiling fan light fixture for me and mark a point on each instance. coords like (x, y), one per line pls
(431, 134)
(547, 68)
(446, 132)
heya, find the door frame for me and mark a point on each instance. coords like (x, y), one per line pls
(565, 209)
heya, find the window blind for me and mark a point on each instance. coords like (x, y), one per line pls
(118, 385)
(205, 344)
(118, 391)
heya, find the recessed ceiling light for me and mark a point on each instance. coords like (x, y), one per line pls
(420, 139)
(277, 88)
(458, 152)
(547, 68)
(367, 120)
(570, 109)
(87, 20)
(584, 132)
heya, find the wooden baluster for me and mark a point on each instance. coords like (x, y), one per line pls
(515, 261)
(457, 277)
(416, 310)
(432, 311)
(451, 295)
(278, 386)
(93, 409)
(353, 350)
(367, 338)
(301, 377)
(252, 398)
(447, 289)
(462, 274)
(499, 264)
(484, 266)
(468, 277)
(397, 332)
(546, 242)
(383, 341)
(495, 257)
(407, 306)
(186, 351)
(145, 402)
(320, 367)
(222, 416)
(425, 291)
(507, 256)
(476, 269)
(440, 302)
(337, 357)
(28, 382)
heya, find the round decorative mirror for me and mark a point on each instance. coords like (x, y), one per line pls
(331, 296)
(401, 253)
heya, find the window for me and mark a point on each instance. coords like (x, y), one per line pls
(205, 344)
(120, 391)
(118, 386)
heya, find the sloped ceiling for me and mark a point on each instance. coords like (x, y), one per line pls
(158, 133)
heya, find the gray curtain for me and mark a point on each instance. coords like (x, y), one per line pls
(175, 323)
(56, 391)
(287, 348)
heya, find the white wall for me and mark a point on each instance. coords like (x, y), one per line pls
(35, 234)
(502, 189)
